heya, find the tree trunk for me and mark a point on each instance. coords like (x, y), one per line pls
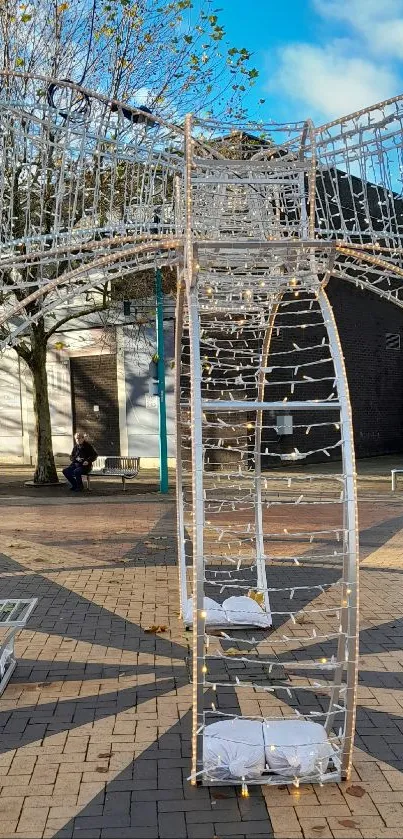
(45, 470)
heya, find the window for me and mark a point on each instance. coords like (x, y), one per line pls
(392, 341)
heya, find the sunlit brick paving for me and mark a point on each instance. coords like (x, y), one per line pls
(95, 721)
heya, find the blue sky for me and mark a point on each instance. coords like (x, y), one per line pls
(319, 58)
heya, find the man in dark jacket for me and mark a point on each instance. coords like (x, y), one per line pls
(82, 458)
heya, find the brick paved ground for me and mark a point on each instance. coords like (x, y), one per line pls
(95, 722)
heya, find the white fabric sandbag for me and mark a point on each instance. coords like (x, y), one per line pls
(234, 749)
(301, 747)
(214, 612)
(245, 610)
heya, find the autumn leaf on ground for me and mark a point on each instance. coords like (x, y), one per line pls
(348, 823)
(233, 651)
(355, 790)
(257, 596)
(155, 628)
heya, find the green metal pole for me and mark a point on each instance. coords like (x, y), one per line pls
(161, 383)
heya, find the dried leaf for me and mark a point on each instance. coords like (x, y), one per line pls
(348, 823)
(156, 628)
(356, 791)
(101, 769)
(233, 651)
(257, 596)
(319, 827)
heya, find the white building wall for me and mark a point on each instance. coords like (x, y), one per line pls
(142, 412)
(11, 409)
(138, 407)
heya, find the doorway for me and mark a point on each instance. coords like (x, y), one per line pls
(94, 394)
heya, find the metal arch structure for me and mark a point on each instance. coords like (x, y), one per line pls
(257, 218)
(260, 246)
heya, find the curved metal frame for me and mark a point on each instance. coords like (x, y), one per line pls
(309, 131)
(350, 602)
(180, 520)
(260, 552)
(109, 261)
(125, 250)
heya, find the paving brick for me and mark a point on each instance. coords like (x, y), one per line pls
(201, 831)
(392, 814)
(202, 816)
(10, 807)
(119, 716)
(315, 827)
(144, 815)
(174, 805)
(172, 826)
(127, 833)
(284, 819)
(241, 828)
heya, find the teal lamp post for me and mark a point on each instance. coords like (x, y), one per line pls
(161, 383)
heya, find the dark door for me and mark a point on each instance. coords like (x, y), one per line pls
(94, 393)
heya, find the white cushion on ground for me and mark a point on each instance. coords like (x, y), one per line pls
(234, 749)
(244, 610)
(214, 612)
(301, 747)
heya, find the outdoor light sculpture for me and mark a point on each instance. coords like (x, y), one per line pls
(257, 218)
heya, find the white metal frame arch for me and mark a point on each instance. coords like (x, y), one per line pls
(198, 406)
(380, 263)
(99, 267)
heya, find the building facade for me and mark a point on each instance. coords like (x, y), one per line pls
(101, 380)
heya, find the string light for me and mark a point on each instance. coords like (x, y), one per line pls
(237, 369)
(243, 229)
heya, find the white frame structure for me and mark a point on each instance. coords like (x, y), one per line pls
(319, 259)
(256, 226)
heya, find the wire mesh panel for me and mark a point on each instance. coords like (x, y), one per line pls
(274, 584)
(259, 217)
(86, 189)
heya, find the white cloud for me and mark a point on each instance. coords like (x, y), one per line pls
(377, 23)
(359, 11)
(341, 75)
(329, 82)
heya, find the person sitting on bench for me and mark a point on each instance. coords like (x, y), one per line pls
(82, 458)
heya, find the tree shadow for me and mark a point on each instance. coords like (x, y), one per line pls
(154, 787)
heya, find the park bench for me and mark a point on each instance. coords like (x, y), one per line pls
(114, 467)
(14, 614)
(393, 473)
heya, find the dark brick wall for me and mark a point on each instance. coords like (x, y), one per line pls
(375, 377)
(375, 374)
